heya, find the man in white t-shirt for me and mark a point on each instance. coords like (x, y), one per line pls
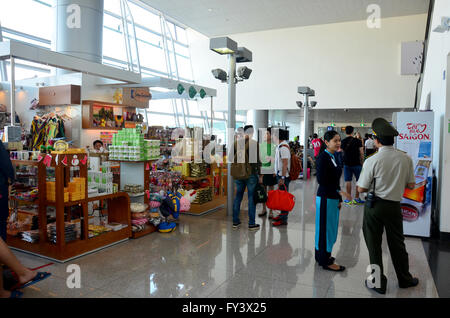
(370, 146)
(282, 166)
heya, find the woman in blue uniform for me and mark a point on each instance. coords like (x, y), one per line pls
(328, 202)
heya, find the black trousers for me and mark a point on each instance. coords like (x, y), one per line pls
(386, 215)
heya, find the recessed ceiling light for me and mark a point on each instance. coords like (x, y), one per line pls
(210, 10)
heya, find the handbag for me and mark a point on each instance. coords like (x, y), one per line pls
(260, 195)
(280, 200)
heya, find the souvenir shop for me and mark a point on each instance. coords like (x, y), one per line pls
(71, 197)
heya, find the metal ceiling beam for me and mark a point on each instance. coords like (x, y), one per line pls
(35, 54)
(163, 82)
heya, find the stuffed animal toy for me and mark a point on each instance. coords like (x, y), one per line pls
(187, 199)
(169, 206)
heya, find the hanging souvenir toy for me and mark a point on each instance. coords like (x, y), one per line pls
(75, 161)
(61, 145)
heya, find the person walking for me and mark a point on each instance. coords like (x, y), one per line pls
(6, 178)
(369, 146)
(316, 143)
(282, 167)
(250, 182)
(353, 159)
(328, 202)
(386, 174)
(267, 151)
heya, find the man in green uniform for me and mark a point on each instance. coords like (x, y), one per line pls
(391, 171)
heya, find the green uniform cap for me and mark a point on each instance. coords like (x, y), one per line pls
(382, 128)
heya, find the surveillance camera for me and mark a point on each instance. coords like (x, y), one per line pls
(313, 104)
(244, 72)
(345, 109)
(299, 104)
(220, 74)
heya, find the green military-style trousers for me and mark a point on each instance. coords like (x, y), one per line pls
(386, 215)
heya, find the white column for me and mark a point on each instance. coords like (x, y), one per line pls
(258, 118)
(79, 29)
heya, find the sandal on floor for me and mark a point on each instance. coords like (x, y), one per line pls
(16, 294)
(340, 269)
(39, 277)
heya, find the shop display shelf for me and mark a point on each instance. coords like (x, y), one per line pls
(135, 195)
(149, 228)
(197, 178)
(138, 161)
(25, 162)
(24, 201)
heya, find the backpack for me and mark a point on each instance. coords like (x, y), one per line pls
(241, 171)
(296, 165)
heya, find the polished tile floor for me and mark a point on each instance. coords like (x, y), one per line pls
(205, 257)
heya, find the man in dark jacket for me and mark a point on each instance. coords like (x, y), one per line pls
(6, 176)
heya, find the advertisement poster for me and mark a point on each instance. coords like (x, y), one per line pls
(416, 138)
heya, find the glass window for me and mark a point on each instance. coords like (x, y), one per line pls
(181, 35)
(162, 106)
(152, 57)
(145, 18)
(113, 45)
(112, 6)
(184, 68)
(28, 16)
(161, 120)
(196, 122)
(149, 37)
(25, 71)
(193, 108)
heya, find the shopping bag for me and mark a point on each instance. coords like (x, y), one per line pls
(260, 195)
(280, 200)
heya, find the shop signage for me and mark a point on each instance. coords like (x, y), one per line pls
(192, 92)
(136, 96)
(415, 131)
(416, 138)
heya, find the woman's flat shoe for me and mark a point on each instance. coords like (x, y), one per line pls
(340, 269)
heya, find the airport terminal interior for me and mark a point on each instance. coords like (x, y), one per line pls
(117, 118)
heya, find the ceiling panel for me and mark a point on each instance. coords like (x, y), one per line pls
(225, 17)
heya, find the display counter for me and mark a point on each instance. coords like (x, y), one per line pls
(63, 228)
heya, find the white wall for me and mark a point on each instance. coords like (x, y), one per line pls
(437, 63)
(348, 64)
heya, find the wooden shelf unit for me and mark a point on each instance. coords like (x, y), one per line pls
(118, 211)
(88, 114)
(218, 200)
(149, 228)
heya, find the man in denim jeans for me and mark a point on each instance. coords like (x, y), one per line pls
(353, 160)
(250, 183)
(282, 167)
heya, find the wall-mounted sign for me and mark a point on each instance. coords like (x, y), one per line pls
(192, 92)
(136, 96)
(180, 89)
